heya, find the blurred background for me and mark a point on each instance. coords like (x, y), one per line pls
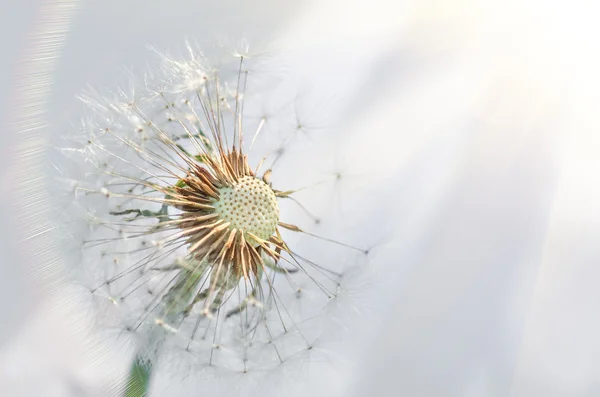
(475, 122)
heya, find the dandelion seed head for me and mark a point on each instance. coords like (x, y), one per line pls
(189, 250)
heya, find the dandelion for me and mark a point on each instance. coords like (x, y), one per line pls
(186, 251)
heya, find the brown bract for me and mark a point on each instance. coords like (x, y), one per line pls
(211, 237)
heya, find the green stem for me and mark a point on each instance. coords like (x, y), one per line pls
(139, 378)
(174, 305)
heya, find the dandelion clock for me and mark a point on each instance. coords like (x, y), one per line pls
(185, 253)
(206, 219)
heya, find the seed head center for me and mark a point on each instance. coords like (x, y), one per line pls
(249, 205)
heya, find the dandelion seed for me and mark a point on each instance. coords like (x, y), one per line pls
(188, 237)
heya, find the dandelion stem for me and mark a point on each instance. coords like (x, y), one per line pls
(139, 378)
(173, 308)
